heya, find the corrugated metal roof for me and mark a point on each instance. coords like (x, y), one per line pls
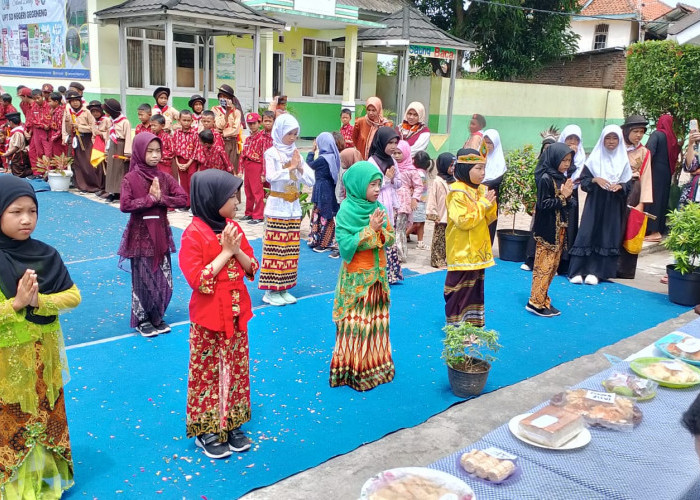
(684, 23)
(228, 10)
(420, 31)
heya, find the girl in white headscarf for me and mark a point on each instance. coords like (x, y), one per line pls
(495, 168)
(414, 129)
(605, 178)
(285, 170)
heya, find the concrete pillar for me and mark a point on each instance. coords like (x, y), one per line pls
(207, 75)
(169, 55)
(256, 69)
(123, 63)
(266, 53)
(350, 67)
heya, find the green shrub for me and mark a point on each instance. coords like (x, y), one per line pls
(684, 238)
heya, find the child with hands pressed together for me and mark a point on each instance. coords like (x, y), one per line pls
(362, 353)
(185, 143)
(34, 286)
(215, 258)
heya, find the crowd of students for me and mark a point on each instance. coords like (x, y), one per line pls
(372, 187)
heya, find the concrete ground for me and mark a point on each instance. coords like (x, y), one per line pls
(342, 477)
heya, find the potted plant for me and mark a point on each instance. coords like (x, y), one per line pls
(518, 193)
(60, 174)
(468, 351)
(684, 243)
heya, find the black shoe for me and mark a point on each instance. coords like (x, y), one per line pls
(320, 249)
(539, 311)
(554, 310)
(255, 221)
(146, 329)
(110, 198)
(334, 254)
(212, 447)
(246, 217)
(238, 441)
(162, 327)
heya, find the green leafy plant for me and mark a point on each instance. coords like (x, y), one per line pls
(306, 205)
(684, 238)
(465, 346)
(518, 191)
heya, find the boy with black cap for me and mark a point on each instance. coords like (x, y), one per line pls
(118, 150)
(77, 134)
(161, 95)
(16, 154)
(196, 104)
(228, 120)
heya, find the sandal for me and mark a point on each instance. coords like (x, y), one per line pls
(653, 238)
(664, 279)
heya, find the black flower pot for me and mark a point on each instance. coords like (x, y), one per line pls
(512, 244)
(468, 384)
(683, 289)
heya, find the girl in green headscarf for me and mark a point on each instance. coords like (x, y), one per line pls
(362, 352)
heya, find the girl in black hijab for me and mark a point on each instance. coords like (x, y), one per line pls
(554, 192)
(436, 208)
(34, 286)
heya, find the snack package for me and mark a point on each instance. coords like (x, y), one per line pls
(672, 371)
(492, 464)
(600, 409)
(686, 348)
(551, 426)
(637, 388)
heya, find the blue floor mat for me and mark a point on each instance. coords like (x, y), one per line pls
(126, 402)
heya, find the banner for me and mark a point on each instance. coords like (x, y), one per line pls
(44, 38)
(431, 51)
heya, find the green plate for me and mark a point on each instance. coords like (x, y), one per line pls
(639, 364)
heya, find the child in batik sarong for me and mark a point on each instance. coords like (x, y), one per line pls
(362, 352)
(215, 258)
(147, 194)
(471, 207)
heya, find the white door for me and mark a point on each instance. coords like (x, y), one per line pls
(245, 78)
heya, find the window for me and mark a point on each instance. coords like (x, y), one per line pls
(324, 69)
(146, 59)
(277, 73)
(600, 38)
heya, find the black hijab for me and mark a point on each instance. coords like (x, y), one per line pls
(210, 190)
(444, 161)
(382, 137)
(18, 256)
(462, 169)
(551, 158)
(546, 142)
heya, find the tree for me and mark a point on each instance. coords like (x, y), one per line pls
(510, 41)
(662, 77)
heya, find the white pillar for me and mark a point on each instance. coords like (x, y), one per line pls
(266, 55)
(169, 53)
(451, 96)
(124, 65)
(403, 85)
(350, 68)
(207, 75)
(256, 71)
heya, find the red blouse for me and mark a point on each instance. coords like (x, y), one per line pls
(217, 302)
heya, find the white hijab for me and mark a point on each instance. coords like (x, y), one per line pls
(613, 166)
(284, 124)
(580, 156)
(495, 161)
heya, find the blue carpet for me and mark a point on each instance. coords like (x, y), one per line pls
(126, 401)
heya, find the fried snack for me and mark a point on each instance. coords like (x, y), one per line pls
(600, 409)
(672, 372)
(486, 466)
(410, 488)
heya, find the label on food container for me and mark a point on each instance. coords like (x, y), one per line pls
(674, 366)
(500, 454)
(689, 345)
(642, 383)
(544, 421)
(601, 397)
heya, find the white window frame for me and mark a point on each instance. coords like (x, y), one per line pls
(283, 62)
(333, 60)
(599, 31)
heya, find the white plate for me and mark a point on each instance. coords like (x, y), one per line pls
(578, 441)
(461, 490)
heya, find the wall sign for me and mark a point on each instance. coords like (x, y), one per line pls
(431, 51)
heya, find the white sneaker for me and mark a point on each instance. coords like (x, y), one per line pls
(274, 298)
(591, 280)
(288, 297)
(576, 280)
(525, 267)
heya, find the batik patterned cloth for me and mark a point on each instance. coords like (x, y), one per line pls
(393, 265)
(322, 232)
(151, 289)
(280, 254)
(547, 259)
(464, 297)
(438, 253)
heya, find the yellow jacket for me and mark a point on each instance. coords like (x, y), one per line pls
(468, 241)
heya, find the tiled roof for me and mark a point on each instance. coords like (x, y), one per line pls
(651, 9)
(383, 6)
(654, 9)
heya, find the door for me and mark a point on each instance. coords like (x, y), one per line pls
(245, 78)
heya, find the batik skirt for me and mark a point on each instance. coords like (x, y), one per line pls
(322, 232)
(464, 297)
(151, 289)
(394, 274)
(280, 254)
(438, 249)
(400, 232)
(218, 386)
(362, 352)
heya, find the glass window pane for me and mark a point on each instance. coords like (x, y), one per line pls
(155, 34)
(184, 67)
(201, 68)
(339, 52)
(339, 78)
(137, 32)
(309, 47)
(323, 77)
(358, 80)
(277, 79)
(134, 57)
(156, 64)
(307, 77)
(179, 37)
(323, 49)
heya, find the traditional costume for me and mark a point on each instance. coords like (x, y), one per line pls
(417, 136)
(326, 168)
(229, 123)
(118, 147)
(77, 133)
(665, 150)
(18, 160)
(34, 444)
(362, 352)
(169, 113)
(148, 239)
(595, 252)
(253, 169)
(469, 214)
(348, 157)
(185, 144)
(436, 209)
(364, 130)
(411, 189)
